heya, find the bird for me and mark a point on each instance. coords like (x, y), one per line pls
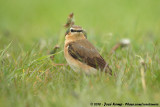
(81, 55)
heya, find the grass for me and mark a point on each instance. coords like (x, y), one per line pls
(30, 29)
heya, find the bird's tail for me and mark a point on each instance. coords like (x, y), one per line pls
(108, 69)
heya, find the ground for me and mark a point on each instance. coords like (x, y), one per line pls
(29, 30)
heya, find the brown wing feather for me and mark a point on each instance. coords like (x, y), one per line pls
(85, 52)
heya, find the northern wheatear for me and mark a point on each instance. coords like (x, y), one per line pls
(80, 54)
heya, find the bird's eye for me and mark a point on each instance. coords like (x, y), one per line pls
(72, 30)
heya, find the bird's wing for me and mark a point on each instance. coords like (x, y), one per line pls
(85, 52)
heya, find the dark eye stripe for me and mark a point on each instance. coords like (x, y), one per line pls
(76, 30)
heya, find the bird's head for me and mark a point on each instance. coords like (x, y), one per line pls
(76, 33)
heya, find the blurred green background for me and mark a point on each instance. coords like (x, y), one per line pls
(36, 20)
(34, 27)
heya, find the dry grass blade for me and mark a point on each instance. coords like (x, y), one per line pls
(70, 21)
(54, 51)
(121, 44)
(142, 69)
